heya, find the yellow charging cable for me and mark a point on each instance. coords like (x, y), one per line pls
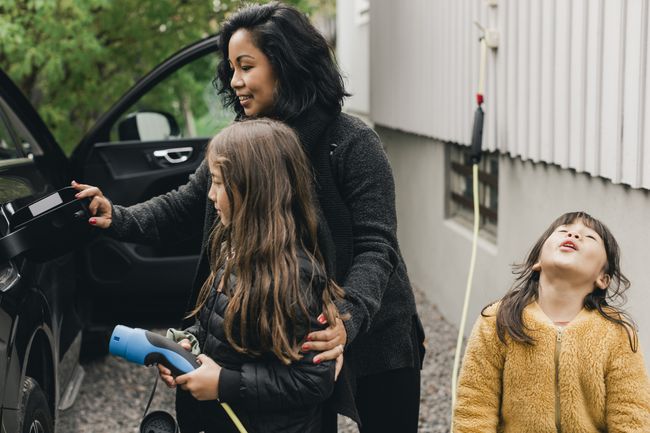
(477, 137)
(468, 291)
(233, 417)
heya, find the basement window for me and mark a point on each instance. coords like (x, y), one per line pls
(460, 205)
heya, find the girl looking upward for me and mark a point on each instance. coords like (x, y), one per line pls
(554, 354)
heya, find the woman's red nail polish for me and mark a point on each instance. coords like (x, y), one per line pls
(92, 221)
(317, 361)
(309, 338)
(321, 318)
(305, 347)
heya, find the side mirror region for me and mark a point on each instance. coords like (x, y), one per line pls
(46, 228)
(148, 126)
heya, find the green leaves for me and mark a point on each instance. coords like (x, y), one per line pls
(74, 58)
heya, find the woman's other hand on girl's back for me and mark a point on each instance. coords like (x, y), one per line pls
(100, 207)
(330, 341)
(339, 366)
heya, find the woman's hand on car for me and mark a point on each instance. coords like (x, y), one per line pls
(100, 207)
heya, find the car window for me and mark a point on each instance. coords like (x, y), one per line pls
(186, 98)
(15, 145)
(24, 143)
(8, 145)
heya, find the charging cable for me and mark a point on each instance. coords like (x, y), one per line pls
(233, 417)
(475, 158)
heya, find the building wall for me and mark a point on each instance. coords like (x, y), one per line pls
(567, 106)
(567, 84)
(531, 195)
(353, 53)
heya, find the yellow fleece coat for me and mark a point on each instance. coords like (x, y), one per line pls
(601, 385)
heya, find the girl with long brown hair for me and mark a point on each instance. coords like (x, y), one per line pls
(267, 282)
(557, 353)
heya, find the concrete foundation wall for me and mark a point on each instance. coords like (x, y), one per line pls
(437, 250)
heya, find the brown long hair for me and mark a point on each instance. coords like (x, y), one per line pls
(525, 289)
(263, 163)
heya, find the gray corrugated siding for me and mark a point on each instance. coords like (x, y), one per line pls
(567, 84)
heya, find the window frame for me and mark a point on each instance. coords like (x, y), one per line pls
(459, 205)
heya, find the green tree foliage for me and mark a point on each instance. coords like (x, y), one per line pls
(74, 58)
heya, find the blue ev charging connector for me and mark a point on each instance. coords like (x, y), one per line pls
(146, 348)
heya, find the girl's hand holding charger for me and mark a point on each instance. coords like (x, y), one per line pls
(202, 383)
(165, 373)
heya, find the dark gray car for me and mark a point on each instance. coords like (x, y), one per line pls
(64, 285)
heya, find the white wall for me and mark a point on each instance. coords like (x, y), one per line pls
(531, 196)
(353, 54)
(567, 85)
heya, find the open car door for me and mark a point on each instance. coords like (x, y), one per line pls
(147, 144)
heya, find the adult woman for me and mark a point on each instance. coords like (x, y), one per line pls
(276, 64)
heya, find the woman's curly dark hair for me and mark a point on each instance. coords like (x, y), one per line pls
(303, 62)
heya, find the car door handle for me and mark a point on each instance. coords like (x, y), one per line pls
(174, 156)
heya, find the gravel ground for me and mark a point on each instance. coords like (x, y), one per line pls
(114, 392)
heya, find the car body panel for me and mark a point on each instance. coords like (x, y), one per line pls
(6, 322)
(40, 324)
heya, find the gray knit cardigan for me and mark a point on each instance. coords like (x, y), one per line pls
(382, 327)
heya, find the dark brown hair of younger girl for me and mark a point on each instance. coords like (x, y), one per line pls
(263, 164)
(509, 318)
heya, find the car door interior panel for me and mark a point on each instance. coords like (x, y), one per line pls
(131, 172)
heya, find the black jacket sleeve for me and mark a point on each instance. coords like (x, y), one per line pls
(170, 217)
(197, 330)
(271, 385)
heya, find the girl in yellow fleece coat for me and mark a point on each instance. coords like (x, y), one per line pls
(554, 355)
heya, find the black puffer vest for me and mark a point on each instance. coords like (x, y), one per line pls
(266, 395)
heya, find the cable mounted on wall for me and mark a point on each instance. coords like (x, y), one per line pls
(489, 38)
